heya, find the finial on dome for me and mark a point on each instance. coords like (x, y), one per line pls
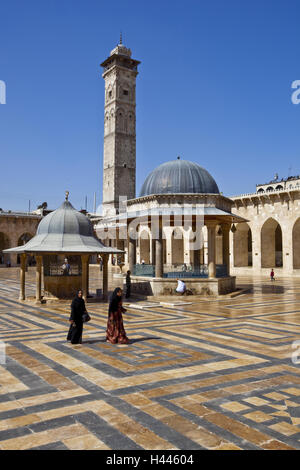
(120, 38)
(67, 195)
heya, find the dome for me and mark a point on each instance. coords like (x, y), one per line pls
(65, 230)
(179, 176)
(65, 220)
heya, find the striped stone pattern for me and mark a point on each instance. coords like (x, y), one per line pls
(211, 374)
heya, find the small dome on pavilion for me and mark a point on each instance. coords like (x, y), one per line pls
(66, 220)
(65, 230)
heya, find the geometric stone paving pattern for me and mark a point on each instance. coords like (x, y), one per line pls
(214, 374)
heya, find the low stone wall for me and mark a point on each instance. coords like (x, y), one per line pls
(164, 286)
(62, 287)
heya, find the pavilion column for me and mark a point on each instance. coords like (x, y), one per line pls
(85, 267)
(168, 232)
(22, 276)
(197, 245)
(152, 258)
(131, 253)
(105, 257)
(159, 253)
(211, 239)
(38, 275)
(226, 229)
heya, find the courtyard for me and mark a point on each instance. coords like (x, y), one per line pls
(207, 374)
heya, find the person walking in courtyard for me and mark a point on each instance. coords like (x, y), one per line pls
(115, 332)
(76, 326)
(128, 285)
(272, 275)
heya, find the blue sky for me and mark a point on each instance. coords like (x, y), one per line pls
(214, 87)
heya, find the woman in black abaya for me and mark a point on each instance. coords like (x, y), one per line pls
(76, 326)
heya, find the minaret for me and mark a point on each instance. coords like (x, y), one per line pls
(119, 156)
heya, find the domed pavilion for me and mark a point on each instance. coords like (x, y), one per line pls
(178, 227)
(62, 246)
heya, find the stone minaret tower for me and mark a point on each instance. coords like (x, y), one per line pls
(119, 158)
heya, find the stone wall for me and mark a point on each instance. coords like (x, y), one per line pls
(12, 227)
(264, 214)
(62, 287)
(205, 287)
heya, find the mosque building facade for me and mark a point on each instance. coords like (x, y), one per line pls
(263, 227)
(247, 234)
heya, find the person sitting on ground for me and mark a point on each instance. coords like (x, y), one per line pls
(181, 287)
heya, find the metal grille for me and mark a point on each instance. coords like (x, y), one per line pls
(172, 272)
(54, 265)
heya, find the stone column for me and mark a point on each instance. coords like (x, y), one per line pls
(152, 251)
(85, 267)
(196, 245)
(159, 253)
(226, 229)
(105, 257)
(168, 233)
(287, 248)
(131, 253)
(13, 258)
(205, 243)
(256, 249)
(38, 275)
(231, 249)
(22, 276)
(211, 239)
(186, 248)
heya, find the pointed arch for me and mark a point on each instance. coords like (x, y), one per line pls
(177, 246)
(271, 244)
(24, 238)
(120, 116)
(242, 245)
(296, 244)
(144, 241)
(4, 244)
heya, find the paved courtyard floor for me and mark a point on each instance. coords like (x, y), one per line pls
(213, 374)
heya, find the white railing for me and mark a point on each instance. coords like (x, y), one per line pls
(270, 191)
(24, 214)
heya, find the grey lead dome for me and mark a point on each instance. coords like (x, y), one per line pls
(177, 177)
(64, 230)
(66, 220)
